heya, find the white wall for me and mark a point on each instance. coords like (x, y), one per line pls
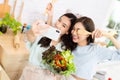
(98, 10)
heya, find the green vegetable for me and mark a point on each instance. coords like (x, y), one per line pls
(59, 62)
(11, 23)
(110, 44)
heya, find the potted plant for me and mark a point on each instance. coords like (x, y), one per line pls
(3, 28)
(14, 26)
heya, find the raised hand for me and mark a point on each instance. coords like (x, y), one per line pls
(49, 9)
(97, 33)
(110, 34)
(39, 27)
(49, 13)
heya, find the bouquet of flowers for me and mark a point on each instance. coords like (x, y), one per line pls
(59, 62)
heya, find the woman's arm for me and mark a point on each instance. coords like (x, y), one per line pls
(110, 35)
(49, 11)
(104, 53)
(38, 27)
(98, 33)
(30, 36)
(115, 42)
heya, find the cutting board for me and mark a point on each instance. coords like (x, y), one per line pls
(20, 14)
(4, 8)
(13, 12)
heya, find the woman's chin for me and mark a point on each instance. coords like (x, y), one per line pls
(74, 40)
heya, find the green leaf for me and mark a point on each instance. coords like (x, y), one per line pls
(110, 44)
(12, 23)
(1, 33)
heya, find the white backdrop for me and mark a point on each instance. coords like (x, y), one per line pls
(98, 10)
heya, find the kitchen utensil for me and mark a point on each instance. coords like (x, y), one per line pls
(84, 32)
(4, 8)
(13, 12)
(19, 17)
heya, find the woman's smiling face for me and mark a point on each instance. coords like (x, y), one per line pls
(63, 24)
(78, 38)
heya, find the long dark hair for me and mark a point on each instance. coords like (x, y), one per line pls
(66, 38)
